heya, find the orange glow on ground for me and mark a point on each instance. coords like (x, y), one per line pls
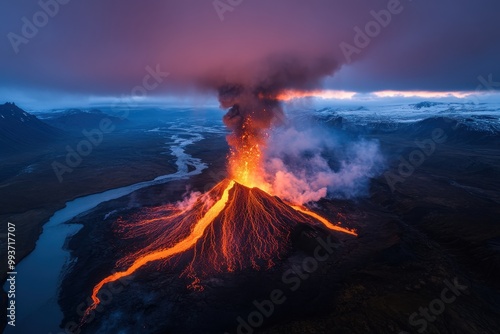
(324, 221)
(238, 224)
(182, 246)
(229, 245)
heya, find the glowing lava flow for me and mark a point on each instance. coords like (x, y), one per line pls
(245, 166)
(324, 221)
(182, 246)
(238, 224)
(250, 229)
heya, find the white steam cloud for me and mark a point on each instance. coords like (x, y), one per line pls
(309, 164)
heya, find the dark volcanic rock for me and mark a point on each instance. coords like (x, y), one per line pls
(438, 225)
(163, 300)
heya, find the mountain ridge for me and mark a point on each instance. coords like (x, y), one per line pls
(20, 130)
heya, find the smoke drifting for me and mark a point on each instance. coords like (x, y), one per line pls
(289, 163)
(307, 165)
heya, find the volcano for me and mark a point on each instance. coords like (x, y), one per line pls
(232, 227)
(238, 224)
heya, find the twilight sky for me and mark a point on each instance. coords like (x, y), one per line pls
(103, 47)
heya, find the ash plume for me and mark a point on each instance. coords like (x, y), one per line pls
(254, 92)
(252, 103)
(293, 163)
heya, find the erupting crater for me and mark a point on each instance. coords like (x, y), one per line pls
(230, 228)
(238, 224)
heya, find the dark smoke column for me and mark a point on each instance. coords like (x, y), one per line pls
(249, 118)
(254, 109)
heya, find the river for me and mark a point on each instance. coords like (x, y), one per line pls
(40, 273)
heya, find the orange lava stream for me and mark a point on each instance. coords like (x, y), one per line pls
(218, 237)
(323, 220)
(263, 235)
(181, 246)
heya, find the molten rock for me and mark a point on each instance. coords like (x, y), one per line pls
(232, 227)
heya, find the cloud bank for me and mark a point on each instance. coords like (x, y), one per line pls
(103, 47)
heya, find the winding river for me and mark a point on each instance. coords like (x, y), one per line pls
(39, 274)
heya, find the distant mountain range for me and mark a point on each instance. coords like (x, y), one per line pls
(21, 131)
(426, 104)
(77, 120)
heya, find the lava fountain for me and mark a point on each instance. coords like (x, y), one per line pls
(237, 224)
